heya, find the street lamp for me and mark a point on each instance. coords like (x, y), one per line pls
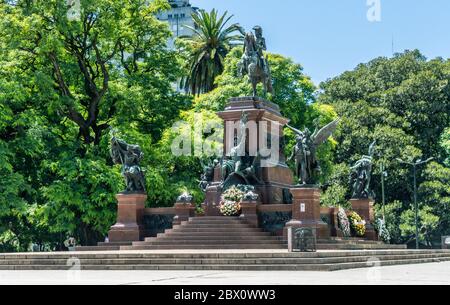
(415, 165)
(383, 176)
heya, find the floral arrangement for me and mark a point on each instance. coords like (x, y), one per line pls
(343, 222)
(231, 199)
(229, 208)
(357, 224)
(233, 194)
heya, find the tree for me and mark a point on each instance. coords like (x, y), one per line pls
(391, 213)
(402, 102)
(64, 81)
(434, 193)
(82, 67)
(428, 223)
(445, 143)
(336, 189)
(211, 42)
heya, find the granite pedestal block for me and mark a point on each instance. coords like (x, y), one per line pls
(306, 211)
(364, 207)
(130, 212)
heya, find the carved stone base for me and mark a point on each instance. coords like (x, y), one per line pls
(306, 211)
(130, 213)
(364, 207)
(249, 212)
(212, 201)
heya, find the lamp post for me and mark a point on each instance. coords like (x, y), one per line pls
(416, 217)
(383, 175)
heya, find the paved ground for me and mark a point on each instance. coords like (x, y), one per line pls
(425, 274)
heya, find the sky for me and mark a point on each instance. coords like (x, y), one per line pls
(329, 37)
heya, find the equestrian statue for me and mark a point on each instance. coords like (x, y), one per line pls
(253, 62)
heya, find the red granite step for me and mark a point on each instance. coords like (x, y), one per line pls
(212, 218)
(212, 234)
(205, 247)
(161, 241)
(213, 229)
(216, 238)
(213, 225)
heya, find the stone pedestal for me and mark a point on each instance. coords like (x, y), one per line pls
(306, 211)
(183, 211)
(334, 222)
(364, 207)
(275, 177)
(212, 200)
(250, 212)
(130, 212)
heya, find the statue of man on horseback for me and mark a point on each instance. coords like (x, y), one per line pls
(253, 62)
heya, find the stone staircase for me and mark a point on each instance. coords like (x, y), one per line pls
(229, 233)
(234, 233)
(256, 260)
(211, 233)
(337, 243)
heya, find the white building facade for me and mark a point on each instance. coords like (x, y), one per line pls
(178, 17)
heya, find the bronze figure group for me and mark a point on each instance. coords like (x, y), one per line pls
(253, 62)
(304, 152)
(129, 156)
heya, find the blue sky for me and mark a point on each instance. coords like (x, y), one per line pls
(329, 37)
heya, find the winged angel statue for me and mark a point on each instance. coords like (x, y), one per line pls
(306, 164)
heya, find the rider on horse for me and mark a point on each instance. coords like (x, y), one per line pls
(261, 47)
(253, 62)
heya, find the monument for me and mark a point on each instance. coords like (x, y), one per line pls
(252, 125)
(131, 202)
(306, 195)
(243, 165)
(362, 202)
(240, 166)
(253, 161)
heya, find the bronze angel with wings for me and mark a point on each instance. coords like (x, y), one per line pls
(304, 152)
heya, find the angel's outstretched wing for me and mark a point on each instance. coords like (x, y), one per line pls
(293, 129)
(323, 134)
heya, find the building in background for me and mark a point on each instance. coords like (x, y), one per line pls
(178, 17)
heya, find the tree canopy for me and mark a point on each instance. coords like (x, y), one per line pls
(64, 82)
(212, 40)
(404, 104)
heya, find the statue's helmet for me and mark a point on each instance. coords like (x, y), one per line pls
(257, 29)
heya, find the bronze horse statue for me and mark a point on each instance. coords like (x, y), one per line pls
(254, 64)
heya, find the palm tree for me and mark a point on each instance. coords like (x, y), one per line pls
(211, 42)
